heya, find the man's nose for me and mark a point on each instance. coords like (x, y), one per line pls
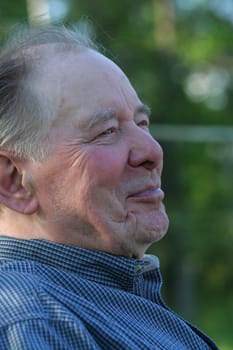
(146, 152)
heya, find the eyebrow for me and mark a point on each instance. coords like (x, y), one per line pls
(142, 108)
(109, 114)
(101, 117)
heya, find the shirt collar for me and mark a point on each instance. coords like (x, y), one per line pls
(101, 267)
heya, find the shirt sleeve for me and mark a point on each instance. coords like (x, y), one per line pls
(37, 334)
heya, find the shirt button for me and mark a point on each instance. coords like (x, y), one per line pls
(138, 269)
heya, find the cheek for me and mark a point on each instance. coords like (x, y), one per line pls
(106, 168)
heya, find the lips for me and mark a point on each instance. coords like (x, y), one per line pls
(148, 194)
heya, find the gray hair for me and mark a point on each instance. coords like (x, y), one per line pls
(26, 114)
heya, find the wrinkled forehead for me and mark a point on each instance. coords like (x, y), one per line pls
(79, 84)
(88, 77)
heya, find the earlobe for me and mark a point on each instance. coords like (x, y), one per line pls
(13, 193)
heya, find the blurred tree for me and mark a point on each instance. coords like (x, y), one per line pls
(10, 13)
(38, 11)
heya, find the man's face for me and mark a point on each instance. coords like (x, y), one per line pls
(100, 186)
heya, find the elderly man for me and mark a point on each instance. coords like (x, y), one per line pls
(81, 201)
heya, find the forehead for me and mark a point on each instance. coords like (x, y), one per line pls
(87, 83)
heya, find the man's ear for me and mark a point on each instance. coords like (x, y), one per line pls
(13, 193)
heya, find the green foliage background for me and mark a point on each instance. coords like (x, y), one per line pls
(161, 45)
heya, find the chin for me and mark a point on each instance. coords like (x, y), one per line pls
(155, 230)
(143, 240)
(143, 230)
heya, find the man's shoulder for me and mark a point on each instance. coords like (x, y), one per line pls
(19, 293)
(30, 315)
(31, 290)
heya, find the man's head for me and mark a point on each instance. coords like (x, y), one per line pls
(97, 182)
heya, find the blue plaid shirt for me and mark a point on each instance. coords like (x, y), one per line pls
(54, 296)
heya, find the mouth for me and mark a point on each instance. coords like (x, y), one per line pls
(149, 194)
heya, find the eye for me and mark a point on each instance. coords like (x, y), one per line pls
(144, 123)
(109, 131)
